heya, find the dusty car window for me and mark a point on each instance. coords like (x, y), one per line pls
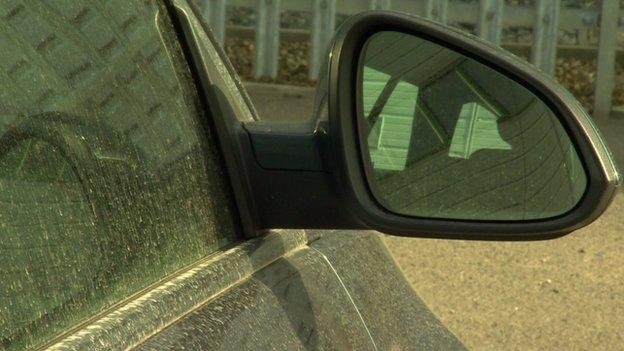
(109, 180)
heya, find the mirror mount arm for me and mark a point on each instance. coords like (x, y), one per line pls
(287, 146)
(290, 178)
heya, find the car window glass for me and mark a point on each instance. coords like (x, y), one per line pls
(109, 179)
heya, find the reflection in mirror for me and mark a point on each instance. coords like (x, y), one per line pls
(445, 136)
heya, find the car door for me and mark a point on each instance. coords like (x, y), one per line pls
(119, 226)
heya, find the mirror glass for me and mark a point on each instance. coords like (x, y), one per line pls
(445, 136)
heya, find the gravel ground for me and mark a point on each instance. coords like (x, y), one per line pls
(292, 65)
(563, 294)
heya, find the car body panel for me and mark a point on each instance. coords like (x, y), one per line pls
(297, 302)
(340, 291)
(163, 303)
(394, 314)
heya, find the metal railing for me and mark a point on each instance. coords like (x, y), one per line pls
(545, 17)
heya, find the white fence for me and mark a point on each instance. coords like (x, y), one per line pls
(546, 18)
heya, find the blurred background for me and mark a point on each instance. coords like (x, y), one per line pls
(566, 32)
(562, 294)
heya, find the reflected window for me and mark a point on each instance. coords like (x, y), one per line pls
(476, 129)
(390, 116)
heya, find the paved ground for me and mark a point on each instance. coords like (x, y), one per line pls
(564, 294)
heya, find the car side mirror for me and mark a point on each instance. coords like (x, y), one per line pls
(442, 133)
(429, 132)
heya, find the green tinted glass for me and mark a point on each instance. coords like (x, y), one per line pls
(447, 137)
(108, 179)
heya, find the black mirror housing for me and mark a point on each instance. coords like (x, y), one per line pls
(603, 176)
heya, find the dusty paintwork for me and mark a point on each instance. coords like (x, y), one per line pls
(396, 317)
(295, 303)
(165, 303)
(343, 291)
